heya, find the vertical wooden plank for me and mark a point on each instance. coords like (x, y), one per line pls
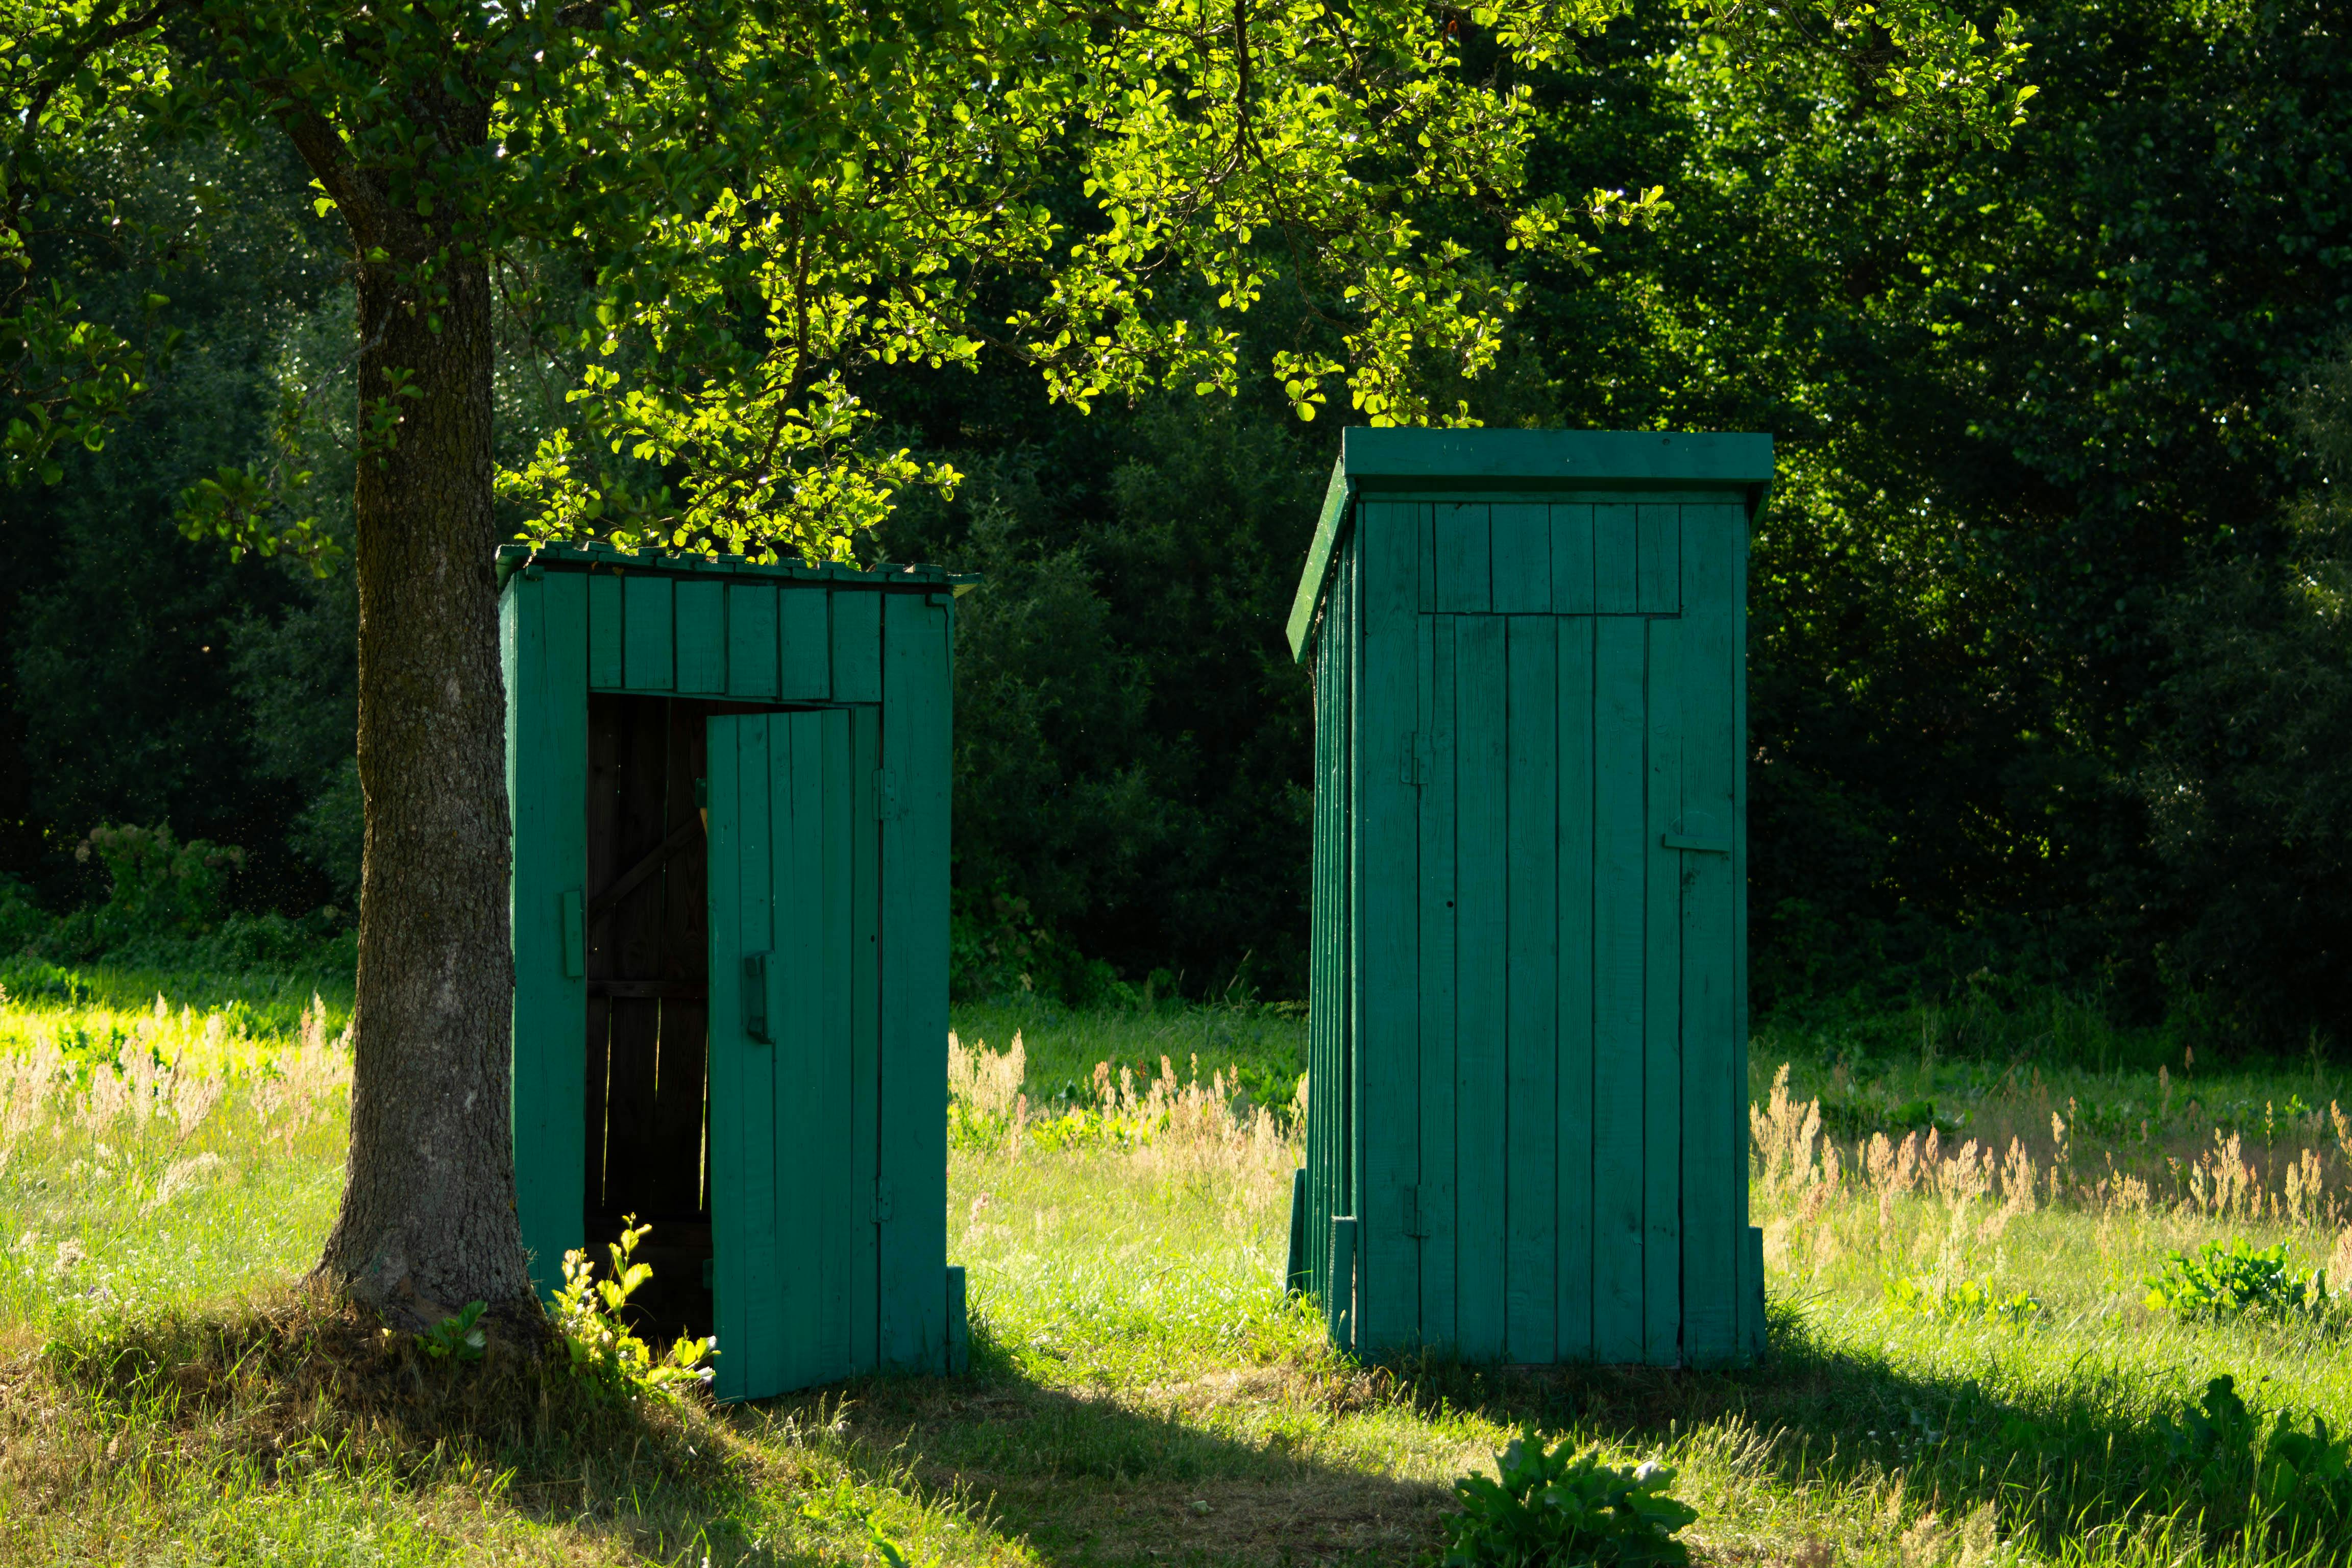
(544, 643)
(798, 1021)
(604, 630)
(1618, 930)
(701, 607)
(730, 1221)
(751, 639)
(1348, 1168)
(1483, 928)
(857, 646)
(915, 752)
(1329, 1081)
(1531, 1202)
(1521, 536)
(1714, 1118)
(1571, 559)
(1464, 569)
(1440, 1207)
(1383, 1008)
(864, 840)
(807, 635)
(1614, 557)
(1576, 993)
(836, 1194)
(1662, 1118)
(647, 653)
(1658, 560)
(762, 1347)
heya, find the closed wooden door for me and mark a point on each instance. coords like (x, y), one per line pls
(793, 1165)
(1580, 1157)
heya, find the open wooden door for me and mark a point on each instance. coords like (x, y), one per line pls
(792, 1130)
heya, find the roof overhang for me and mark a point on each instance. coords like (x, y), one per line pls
(1553, 462)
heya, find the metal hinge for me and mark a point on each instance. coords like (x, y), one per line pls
(886, 795)
(1415, 1222)
(881, 1202)
(1413, 765)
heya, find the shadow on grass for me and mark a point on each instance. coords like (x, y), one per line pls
(1086, 1480)
(303, 1391)
(2087, 1461)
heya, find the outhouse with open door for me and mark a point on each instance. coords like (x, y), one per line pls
(729, 788)
(1527, 1134)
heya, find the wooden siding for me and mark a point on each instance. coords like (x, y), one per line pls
(1518, 556)
(1528, 1075)
(823, 698)
(763, 641)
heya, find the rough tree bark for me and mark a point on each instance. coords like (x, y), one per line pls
(428, 1222)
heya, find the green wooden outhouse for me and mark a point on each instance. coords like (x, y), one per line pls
(1527, 1133)
(730, 790)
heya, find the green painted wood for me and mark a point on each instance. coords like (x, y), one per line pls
(1711, 1109)
(839, 1174)
(1657, 589)
(1532, 1038)
(1438, 1195)
(1577, 985)
(1571, 559)
(751, 640)
(544, 639)
(604, 669)
(800, 1112)
(1661, 1008)
(807, 635)
(1464, 557)
(915, 752)
(856, 632)
(1382, 794)
(750, 1172)
(1520, 535)
(864, 1002)
(1480, 1005)
(647, 654)
(1613, 560)
(1576, 1175)
(1619, 861)
(1397, 464)
(701, 631)
(1330, 1073)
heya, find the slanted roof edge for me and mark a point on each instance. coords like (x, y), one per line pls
(1318, 556)
(1373, 459)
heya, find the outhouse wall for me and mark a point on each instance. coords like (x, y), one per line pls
(764, 749)
(1528, 1137)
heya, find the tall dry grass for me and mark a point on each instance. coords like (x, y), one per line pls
(1937, 1206)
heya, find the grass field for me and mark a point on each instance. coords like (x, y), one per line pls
(1963, 1371)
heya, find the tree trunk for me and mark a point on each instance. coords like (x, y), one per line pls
(427, 1223)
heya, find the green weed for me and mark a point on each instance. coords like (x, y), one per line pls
(2229, 1280)
(1557, 1506)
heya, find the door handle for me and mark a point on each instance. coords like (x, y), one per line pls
(755, 998)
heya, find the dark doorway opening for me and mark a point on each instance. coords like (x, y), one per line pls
(648, 972)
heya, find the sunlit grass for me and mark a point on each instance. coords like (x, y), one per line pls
(1142, 1390)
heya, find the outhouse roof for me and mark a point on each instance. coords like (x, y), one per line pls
(586, 557)
(1446, 463)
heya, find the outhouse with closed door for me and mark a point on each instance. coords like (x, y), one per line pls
(730, 790)
(1528, 1135)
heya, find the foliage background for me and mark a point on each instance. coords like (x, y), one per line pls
(2048, 655)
